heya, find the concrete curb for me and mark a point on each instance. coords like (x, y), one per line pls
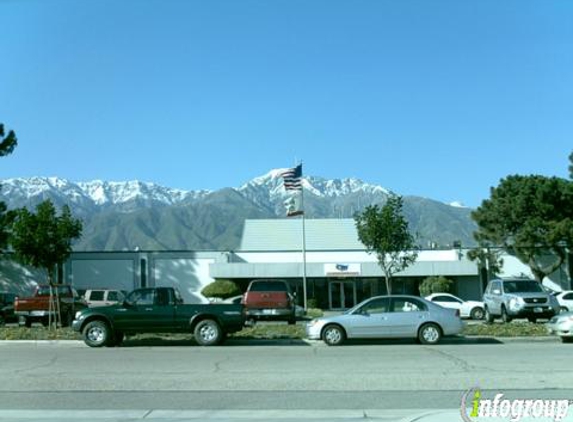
(298, 342)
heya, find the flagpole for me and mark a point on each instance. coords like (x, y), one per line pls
(303, 246)
(293, 181)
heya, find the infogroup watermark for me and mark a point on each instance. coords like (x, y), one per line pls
(476, 408)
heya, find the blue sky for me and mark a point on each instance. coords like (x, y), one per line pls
(438, 99)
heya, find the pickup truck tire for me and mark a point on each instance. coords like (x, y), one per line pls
(96, 333)
(208, 332)
(27, 322)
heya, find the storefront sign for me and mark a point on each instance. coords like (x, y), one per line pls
(342, 270)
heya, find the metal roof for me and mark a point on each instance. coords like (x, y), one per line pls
(286, 234)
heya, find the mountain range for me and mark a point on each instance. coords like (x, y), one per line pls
(134, 214)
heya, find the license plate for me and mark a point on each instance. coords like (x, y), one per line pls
(537, 310)
(269, 311)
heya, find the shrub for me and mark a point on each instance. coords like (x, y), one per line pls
(311, 303)
(435, 285)
(221, 289)
(314, 313)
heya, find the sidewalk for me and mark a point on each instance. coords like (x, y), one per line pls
(335, 415)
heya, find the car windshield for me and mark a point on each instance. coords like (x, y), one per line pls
(522, 286)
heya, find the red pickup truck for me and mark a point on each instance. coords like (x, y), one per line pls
(270, 300)
(36, 308)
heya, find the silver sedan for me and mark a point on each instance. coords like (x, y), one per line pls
(398, 316)
(562, 325)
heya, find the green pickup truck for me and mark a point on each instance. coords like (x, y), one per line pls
(158, 310)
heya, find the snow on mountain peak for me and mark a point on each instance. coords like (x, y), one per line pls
(99, 192)
(120, 192)
(316, 185)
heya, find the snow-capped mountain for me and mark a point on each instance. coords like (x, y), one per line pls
(268, 191)
(89, 196)
(102, 193)
(120, 215)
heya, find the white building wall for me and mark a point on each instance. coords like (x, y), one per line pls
(337, 256)
(188, 275)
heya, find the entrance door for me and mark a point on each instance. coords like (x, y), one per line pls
(342, 294)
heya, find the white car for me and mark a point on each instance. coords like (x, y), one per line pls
(103, 297)
(468, 308)
(565, 299)
(562, 325)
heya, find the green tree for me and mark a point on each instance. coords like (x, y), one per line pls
(7, 145)
(384, 232)
(531, 217)
(571, 165)
(221, 289)
(435, 284)
(8, 142)
(44, 239)
(488, 259)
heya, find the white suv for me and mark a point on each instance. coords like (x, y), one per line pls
(103, 297)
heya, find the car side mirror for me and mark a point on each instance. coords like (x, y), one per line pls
(127, 303)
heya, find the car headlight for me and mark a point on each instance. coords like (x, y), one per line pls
(79, 315)
(313, 322)
(516, 303)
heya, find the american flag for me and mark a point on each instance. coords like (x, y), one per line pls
(292, 178)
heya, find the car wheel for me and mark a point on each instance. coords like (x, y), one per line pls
(477, 313)
(27, 323)
(292, 321)
(504, 316)
(2, 321)
(333, 335)
(533, 320)
(488, 317)
(567, 339)
(429, 334)
(96, 334)
(208, 332)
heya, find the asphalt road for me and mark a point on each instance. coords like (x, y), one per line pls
(383, 380)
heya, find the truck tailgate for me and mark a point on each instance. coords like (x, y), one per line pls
(267, 300)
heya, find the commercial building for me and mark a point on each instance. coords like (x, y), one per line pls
(339, 272)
